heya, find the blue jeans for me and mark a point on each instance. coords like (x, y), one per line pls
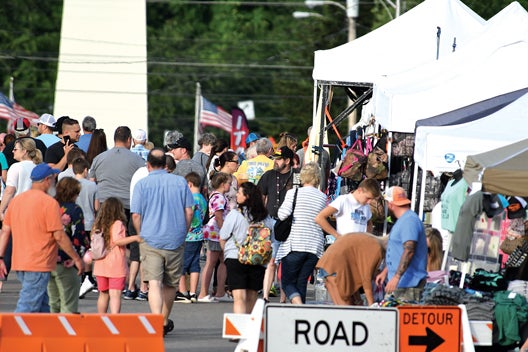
(33, 296)
(296, 269)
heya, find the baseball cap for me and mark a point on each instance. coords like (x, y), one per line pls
(41, 171)
(491, 204)
(21, 124)
(48, 120)
(181, 142)
(139, 135)
(516, 208)
(252, 137)
(284, 153)
(397, 196)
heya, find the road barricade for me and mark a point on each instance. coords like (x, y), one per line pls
(33, 332)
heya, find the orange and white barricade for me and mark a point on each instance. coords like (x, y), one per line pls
(33, 332)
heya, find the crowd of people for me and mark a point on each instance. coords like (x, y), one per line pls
(161, 210)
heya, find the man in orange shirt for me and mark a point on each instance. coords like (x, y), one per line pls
(34, 219)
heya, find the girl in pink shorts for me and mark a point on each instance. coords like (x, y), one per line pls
(111, 271)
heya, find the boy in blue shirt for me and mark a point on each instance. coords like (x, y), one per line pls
(193, 243)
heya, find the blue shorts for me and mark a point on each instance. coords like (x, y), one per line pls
(275, 248)
(191, 257)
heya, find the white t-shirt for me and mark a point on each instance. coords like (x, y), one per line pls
(140, 173)
(19, 176)
(351, 216)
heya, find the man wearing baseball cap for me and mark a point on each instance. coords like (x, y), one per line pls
(33, 219)
(274, 184)
(46, 126)
(406, 256)
(139, 138)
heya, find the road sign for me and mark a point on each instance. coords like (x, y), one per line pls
(329, 328)
(430, 328)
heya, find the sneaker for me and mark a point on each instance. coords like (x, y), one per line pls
(224, 298)
(86, 287)
(181, 298)
(207, 299)
(142, 296)
(129, 295)
(193, 298)
(168, 328)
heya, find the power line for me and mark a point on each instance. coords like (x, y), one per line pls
(161, 63)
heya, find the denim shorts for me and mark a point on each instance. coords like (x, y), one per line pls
(213, 246)
(191, 257)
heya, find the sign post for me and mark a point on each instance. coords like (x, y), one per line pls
(430, 328)
(330, 328)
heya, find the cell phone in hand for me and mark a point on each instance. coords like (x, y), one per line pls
(67, 139)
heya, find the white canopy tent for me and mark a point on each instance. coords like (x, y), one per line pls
(488, 66)
(405, 42)
(445, 148)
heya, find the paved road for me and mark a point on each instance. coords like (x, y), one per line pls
(198, 327)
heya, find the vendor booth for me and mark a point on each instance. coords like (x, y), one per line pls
(445, 148)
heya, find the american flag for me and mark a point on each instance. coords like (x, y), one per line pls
(10, 111)
(6, 109)
(213, 115)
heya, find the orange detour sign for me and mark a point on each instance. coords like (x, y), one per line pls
(430, 328)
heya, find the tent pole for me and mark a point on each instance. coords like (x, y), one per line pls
(414, 186)
(349, 109)
(422, 194)
(387, 185)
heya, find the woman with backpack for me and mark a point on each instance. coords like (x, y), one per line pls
(245, 280)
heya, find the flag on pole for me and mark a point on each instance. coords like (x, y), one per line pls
(213, 115)
(240, 130)
(10, 111)
(6, 109)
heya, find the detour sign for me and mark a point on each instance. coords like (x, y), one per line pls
(430, 328)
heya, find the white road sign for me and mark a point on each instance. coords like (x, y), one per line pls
(330, 328)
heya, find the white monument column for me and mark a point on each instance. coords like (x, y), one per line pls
(102, 69)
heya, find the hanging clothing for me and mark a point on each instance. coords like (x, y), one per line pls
(452, 199)
(461, 240)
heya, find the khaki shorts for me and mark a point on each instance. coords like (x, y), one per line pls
(161, 264)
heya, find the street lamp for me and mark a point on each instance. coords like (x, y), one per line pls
(303, 14)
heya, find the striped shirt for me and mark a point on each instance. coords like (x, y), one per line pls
(305, 235)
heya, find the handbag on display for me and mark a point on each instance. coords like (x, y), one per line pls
(354, 162)
(509, 245)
